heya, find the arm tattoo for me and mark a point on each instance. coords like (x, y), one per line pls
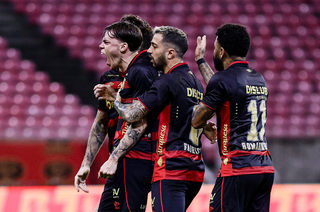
(131, 112)
(201, 115)
(96, 138)
(206, 72)
(132, 136)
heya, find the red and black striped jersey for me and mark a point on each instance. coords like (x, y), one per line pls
(138, 78)
(178, 150)
(239, 97)
(113, 78)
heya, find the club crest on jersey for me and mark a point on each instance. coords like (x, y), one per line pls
(160, 161)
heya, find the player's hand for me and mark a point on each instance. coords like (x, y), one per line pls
(211, 132)
(80, 179)
(108, 169)
(118, 97)
(201, 47)
(104, 92)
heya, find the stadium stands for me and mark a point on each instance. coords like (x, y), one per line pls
(285, 49)
(33, 107)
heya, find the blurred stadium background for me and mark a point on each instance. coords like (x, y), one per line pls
(50, 61)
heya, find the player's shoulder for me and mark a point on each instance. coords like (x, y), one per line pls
(111, 75)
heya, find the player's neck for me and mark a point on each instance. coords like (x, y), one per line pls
(171, 64)
(126, 60)
(230, 60)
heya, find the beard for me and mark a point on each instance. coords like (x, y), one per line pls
(161, 63)
(218, 64)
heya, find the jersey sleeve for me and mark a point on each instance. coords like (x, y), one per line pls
(102, 103)
(157, 96)
(140, 79)
(215, 92)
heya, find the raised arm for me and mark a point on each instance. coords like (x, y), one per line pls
(96, 138)
(203, 66)
(131, 113)
(132, 136)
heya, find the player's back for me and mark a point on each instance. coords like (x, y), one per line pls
(242, 121)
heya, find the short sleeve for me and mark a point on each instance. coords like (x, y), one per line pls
(140, 79)
(158, 95)
(102, 103)
(215, 92)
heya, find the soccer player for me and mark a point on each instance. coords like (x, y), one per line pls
(132, 180)
(238, 95)
(103, 125)
(111, 78)
(178, 165)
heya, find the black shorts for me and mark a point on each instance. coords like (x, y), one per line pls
(249, 193)
(131, 184)
(173, 195)
(106, 201)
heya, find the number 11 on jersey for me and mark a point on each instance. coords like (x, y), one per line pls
(253, 108)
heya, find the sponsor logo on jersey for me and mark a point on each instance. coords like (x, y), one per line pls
(161, 140)
(109, 105)
(117, 205)
(192, 92)
(225, 139)
(115, 192)
(257, 90)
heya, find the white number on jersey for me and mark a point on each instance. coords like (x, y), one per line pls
(253, 108)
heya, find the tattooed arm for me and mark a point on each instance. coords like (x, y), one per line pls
(131, 137)
(200, 116)
(96, 138)
(131, 113)
(203, 66)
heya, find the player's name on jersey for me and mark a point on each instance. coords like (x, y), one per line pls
(191, 149)
(192, 92)
(257, 90)
(254, 146)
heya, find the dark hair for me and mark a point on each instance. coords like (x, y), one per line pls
(174, 36)
(234, 38)
(125, 32)
(144, 27)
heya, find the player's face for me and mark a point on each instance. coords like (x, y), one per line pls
(111, 48)
(218, 63)
(157, 53)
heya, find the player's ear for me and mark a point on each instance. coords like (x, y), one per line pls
(123, 47)
(223, 53)
(171, 53)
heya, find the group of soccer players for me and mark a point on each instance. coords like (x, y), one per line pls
(154, 111)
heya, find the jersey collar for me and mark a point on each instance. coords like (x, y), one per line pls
(135, 58)
(238, 62)
(175, 66)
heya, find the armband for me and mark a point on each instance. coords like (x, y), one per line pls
(200, 61)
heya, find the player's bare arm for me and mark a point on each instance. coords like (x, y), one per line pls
(204, 67)
(96, 138)
(131, 113)
(132, 136)
(200, 116)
